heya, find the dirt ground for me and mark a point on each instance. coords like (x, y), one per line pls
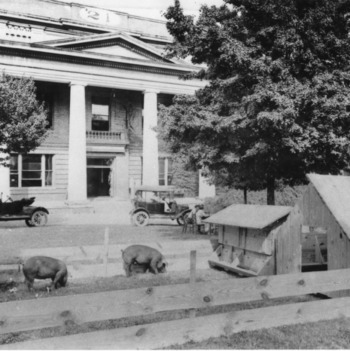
(12, 291)
(15, 236)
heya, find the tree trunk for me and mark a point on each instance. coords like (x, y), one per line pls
(245, 194)
(271, 191)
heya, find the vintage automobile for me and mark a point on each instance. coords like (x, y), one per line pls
(159, 202)
(34, 216)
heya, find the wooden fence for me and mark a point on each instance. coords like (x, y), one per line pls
(18, 316)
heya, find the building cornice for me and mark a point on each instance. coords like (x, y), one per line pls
(62, 72)
(93, 59)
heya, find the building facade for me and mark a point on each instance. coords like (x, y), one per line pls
(101, 74)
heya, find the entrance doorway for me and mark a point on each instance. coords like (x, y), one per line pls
(99, 176)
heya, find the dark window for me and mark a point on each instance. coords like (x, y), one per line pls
(170, 171)
(14, 171)
(162, 171)
(31, 170)
(165, 171)
(45, 95)
(100, 114)
(48, 170)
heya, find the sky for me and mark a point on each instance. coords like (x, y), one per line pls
(147, 8)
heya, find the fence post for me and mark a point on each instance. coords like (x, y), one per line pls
(193, 255)
(105, 256)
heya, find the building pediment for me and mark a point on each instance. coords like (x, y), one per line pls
(74, 56)
(113, 44)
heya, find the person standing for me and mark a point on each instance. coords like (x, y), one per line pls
(200, 215)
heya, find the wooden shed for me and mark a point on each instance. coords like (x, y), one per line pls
(325, 219)
(257, 240)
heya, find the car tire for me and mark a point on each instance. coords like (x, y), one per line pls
(181, 220)
(29, 223)
(141, 218)
(38, 218)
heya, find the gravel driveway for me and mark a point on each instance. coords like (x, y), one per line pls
(60, 232)
(19, 236)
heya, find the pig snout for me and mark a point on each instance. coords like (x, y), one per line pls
(145, 256)
(41, 267)
(162, 267)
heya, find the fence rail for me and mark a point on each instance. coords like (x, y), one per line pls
(27, 315)
(164, 334)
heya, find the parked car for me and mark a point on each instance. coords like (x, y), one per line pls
(158, 202)
(34, 216)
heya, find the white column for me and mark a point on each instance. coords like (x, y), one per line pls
(77, 191)
(150, 175)
(4, 179)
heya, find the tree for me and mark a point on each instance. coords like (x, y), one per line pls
(278, 99)
(22, 117)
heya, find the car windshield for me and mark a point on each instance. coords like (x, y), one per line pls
(168, 196)
(150, 196)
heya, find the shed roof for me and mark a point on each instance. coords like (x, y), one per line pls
(335, 192)
(249, 216)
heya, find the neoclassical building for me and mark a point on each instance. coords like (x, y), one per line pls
(101, 74)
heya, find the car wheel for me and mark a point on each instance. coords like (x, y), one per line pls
(181, 220)
(141, 218)
(39, 218)
(29, 223)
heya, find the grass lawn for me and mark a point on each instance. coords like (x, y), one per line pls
(334, 334)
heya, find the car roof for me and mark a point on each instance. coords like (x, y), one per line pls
(155, 188)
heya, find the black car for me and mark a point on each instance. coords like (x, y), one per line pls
(34, 216)
(157, 202)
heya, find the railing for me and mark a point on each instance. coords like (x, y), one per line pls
(105, 137)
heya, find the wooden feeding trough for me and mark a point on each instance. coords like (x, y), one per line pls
(256, 240)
